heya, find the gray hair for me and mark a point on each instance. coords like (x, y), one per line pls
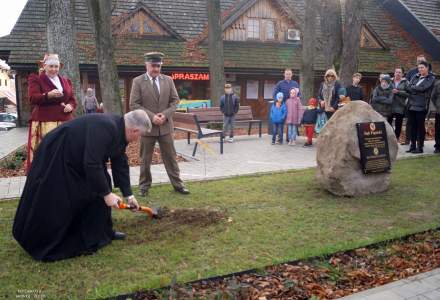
(138, 119)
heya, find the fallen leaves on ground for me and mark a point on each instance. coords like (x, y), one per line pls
(339, 275)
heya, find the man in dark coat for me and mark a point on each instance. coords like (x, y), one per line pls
(65, 208)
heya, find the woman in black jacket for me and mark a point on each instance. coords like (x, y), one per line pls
(419, 90)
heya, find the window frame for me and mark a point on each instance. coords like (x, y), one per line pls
(257, 21)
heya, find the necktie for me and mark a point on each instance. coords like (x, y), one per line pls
(156, 90)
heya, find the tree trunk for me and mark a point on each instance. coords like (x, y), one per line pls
(100, 12)
(331, 29)
(215, 51)
(352, 32)
(307, 78)
(61, 39)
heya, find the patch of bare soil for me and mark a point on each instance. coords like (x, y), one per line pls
(142, 229)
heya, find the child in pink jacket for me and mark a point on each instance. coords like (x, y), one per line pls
(294, 115)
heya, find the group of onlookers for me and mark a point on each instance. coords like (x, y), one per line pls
(410, 96)
(395, 98)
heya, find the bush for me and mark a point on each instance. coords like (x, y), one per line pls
(15, 160)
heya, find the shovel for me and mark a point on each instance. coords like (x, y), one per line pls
(155, 213)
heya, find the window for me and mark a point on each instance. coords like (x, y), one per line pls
(269, 86)
(252, 90)
(6, 82)
(147, 28)
(134, 28)
(253, 29)
(270, 30)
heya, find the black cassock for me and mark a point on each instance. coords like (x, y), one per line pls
(62, 212)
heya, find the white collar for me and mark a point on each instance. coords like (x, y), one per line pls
(150, 77)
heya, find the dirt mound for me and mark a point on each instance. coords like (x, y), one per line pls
(173, 221)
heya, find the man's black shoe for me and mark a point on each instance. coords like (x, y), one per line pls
(417, 151)
(118, 235)
(182, 190)
(411, 150)
(143, 193)
(437, 150)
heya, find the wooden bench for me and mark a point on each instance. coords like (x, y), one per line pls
(189, 123)
(214, 115)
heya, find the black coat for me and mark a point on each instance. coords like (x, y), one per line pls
(355, 93)
(62, 212)
(400, 98)
(419, 95)
(310, 116)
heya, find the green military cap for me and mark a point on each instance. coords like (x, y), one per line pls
(154, 57)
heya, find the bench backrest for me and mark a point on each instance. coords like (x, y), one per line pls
(214, 114)
(187, 120)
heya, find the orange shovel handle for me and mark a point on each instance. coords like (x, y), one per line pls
(145, 209)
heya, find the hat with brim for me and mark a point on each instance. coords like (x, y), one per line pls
(154, 57)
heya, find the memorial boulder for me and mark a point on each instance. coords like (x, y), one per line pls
(355, 152)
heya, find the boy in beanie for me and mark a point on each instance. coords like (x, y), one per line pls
(309, 120)
(278, 115)
(229, 105)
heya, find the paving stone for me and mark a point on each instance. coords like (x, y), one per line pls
(385, 295)
(433, 295)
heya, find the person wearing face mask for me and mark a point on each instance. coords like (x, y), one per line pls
(419, 90)
(383, 97)
(400, 96)
(229, 105)
(355, 91)
(52, 102)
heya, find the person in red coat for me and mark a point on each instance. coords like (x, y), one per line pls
(52, 102)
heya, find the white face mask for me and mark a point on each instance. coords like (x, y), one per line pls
(384, 85)
(228, 91)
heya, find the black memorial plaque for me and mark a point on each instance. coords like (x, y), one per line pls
(373, 145)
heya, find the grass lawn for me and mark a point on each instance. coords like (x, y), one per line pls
(270, 219)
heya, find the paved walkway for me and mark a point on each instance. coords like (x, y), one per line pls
(12, 139)
(425, 286)
(247, 155)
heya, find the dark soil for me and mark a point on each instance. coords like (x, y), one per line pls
(330, 277)
(172, 221)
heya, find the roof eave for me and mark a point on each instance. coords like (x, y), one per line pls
(413, 25)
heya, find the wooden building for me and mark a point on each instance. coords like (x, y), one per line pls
(262, 37)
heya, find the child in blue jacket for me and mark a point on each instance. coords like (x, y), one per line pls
(278, 115)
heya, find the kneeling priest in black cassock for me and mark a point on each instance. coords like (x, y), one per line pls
(65, 208)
